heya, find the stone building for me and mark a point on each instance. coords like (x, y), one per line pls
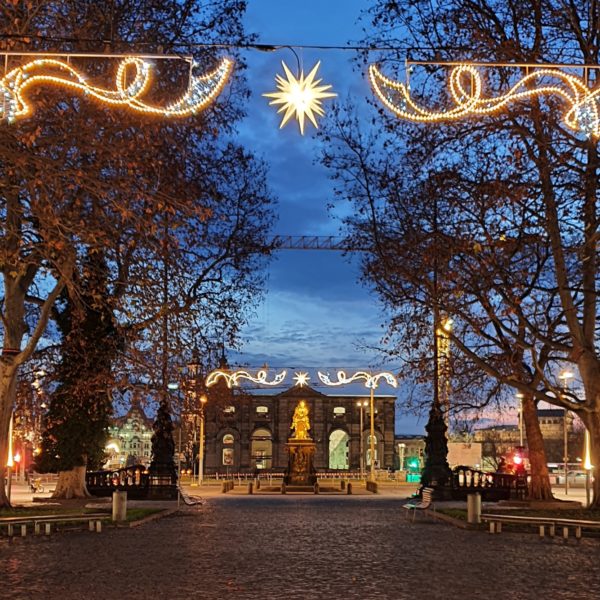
(249, 432)
(130, 439)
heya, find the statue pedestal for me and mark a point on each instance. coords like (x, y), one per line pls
(300, 471)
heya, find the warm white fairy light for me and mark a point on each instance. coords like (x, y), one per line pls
(132, 82)
(582, 112)
(371, 380)
(300, 97)
(232, 378)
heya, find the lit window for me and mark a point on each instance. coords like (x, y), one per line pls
(228, 439)
(229, 409)
(262, 410)
(339, 411)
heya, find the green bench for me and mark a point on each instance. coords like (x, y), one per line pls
(542, 523)
(425, 503)
(94, 522)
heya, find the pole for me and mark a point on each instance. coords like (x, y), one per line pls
(521, 421)
(372, 401)
(566, 451)
(362, 452)
(201, 449)
(179, 462)
(9, 462)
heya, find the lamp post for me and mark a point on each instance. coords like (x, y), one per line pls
(565, 376)
(372, 434)
(402, 450)
(371, 382)
(520, 398)
(9, 463)
(203, 400)
(587, 465)
(361, 404)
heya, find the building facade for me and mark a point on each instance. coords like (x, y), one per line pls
(129, 440)
(249, 433)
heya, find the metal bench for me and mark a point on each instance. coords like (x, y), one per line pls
(425, 503)
(94, 522)
(552, 523)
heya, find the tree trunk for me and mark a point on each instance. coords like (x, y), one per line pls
(71, 484)
(592, 423)
(539, 488)
(8, 386)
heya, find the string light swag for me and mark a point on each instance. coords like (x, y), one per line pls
(233, 378)
(132, 82)
(582, 112)
(371, 380)
(300, 97)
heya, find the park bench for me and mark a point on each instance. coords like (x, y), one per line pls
(94, 522)
(552, 523)
(425, 502)
(188, 499)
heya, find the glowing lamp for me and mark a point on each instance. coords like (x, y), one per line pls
(300, 97)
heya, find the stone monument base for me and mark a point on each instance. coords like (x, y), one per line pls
(300, 471)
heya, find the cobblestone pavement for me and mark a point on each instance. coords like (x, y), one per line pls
(297, 547)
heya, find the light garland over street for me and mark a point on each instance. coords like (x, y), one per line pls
(132, 82)
(582, 113)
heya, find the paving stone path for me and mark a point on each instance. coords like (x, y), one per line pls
(298, 547)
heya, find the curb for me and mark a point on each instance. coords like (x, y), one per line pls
(437, 516)
(159, 515)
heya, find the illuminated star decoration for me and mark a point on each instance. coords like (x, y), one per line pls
(582, 112)
(300, 97)
(301, 379)
(132, 82)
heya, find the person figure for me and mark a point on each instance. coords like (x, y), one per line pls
(300, 422)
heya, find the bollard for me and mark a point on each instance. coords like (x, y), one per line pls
(474, 508)
(317, 487)
(257, 483)
(119, 506)
(343, 484)
(224, 488)
(349, 488)
(283, 488)
(250, 487)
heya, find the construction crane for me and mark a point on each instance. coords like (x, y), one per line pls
(313, 242)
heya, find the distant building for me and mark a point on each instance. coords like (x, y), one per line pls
(249, 432)
(410, 452)
(466, 454)
(130, 439)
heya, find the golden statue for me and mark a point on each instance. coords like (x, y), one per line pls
(300, 422)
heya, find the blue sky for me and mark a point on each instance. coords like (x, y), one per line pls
(316, 313)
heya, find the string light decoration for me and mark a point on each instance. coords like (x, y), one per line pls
(300, 96)
(582, 112)
(371, 380)
(132, 82)
(233, 378)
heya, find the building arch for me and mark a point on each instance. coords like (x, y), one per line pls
(339, 441)
(261, 448)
